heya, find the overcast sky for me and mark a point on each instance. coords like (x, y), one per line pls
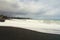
(38, 9)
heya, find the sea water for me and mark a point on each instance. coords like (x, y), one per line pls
(50, 21)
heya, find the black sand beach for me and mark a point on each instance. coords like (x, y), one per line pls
(13, 33)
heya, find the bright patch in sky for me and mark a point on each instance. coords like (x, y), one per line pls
(38, 9)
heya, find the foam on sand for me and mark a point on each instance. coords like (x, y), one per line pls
(36, 25)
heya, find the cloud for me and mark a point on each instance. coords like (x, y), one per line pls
(39, 9)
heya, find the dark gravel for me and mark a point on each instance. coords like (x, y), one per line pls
(13, 33)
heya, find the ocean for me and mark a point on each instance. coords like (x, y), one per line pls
(50, 21)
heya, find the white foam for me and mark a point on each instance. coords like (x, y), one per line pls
(33, 25)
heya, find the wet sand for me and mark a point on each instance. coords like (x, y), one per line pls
(13, 33)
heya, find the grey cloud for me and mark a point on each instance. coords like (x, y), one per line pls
(4, 5)
(23, 9)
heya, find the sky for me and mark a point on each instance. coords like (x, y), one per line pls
(36, 9)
